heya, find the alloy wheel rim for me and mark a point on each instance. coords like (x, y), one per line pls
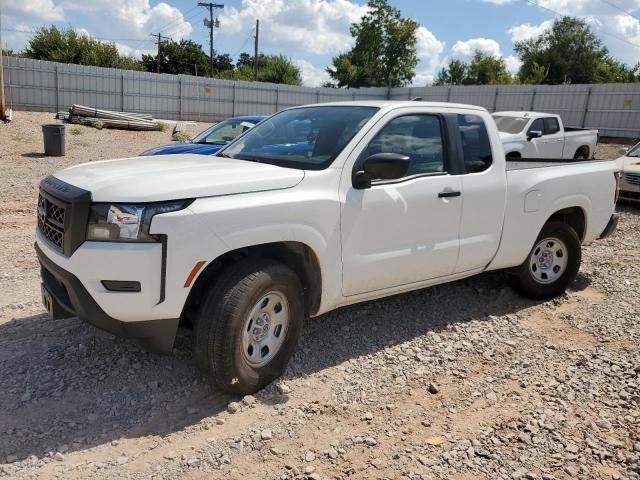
(548, 260)
(265, 328)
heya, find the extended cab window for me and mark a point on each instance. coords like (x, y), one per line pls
(551, 126)
(476, 146)
(419, 137)
(537, 126)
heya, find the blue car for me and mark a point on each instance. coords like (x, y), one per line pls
(212, 139)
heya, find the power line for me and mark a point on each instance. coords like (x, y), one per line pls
(611, 4)
(159, 41)
(244, 44)
(622, 39)
(178, 29)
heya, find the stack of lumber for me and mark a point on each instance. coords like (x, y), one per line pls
(109, 119)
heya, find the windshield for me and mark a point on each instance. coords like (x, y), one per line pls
(223, 132)
(308, 138)
(511, 124)
(634, 151)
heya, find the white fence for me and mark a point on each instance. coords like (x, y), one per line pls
(614, 109)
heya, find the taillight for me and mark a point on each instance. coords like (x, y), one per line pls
(617, 174)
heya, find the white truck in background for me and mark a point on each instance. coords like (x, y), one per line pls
(543, 135)
(314, 208)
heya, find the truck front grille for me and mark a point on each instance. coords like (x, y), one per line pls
(632, 178)
(51, 221)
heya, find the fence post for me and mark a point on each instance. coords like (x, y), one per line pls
(448, 93)
(57, 90)
(233, 99)
(317, 94)
(495, 100)
(277, 96)
(200, 106)
(410, 96)
(533, 99)
(180, 99)
(586, 108)
(122, 91)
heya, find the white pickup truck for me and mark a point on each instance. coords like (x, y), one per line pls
(543, 135)
(315, 208)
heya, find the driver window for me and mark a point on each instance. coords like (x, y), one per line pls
(419, 137)
(538, 125)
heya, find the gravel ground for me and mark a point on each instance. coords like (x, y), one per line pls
(461, 381)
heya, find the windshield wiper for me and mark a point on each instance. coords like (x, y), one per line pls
(222, 154)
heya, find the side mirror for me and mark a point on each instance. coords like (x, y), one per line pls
(533, 134)
(381, 166)
(623, 151)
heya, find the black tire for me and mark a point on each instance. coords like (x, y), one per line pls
(522, 278)
(218, 338)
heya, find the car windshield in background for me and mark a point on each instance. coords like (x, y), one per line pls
(510, 124)
(223, 132)
(634, 151)
(308, 138)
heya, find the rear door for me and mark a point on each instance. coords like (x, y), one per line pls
(484, 186)
(553, 138)
(402, 231)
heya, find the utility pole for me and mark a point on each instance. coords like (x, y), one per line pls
(160, 39)
(210, 24)
(2, 102)
(255, 52)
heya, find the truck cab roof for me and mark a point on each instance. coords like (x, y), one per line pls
(524, 113)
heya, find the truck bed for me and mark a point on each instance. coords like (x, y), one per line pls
(526, 163)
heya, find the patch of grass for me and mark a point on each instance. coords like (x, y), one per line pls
(180, 137)
(162, 126)
(76, 130)
(96, 123)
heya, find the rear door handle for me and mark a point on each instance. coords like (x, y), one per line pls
(449, 193)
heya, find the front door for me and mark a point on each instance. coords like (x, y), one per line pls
(402, 231)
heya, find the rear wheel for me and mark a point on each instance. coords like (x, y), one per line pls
(581, 154)
(552, 264)
(249, 324)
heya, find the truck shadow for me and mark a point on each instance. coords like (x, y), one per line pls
(67, 386)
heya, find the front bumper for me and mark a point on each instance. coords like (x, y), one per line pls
(69, 297)
(611, 226)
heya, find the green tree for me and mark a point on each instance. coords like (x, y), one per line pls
(69, 46)
(569, 52)
(485, 69)
(183, 57)
(384, 53)
(280, 69)
(454, 74)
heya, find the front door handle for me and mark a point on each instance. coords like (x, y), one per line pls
(449, 193)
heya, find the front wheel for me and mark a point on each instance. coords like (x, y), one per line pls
(552, 263)
(249, 324)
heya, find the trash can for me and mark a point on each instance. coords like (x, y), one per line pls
(53, 140)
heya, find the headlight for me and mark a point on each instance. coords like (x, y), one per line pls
(118, 222)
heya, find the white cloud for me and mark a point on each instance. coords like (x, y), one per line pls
(130, 18)
(526, 30)
(300, 26)
(464, 50)
(513, 63)
(30, 10)
(312, 76)
(429, 50)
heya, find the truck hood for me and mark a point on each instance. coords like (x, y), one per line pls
(171, 177)
(629, 164)
(510, 137)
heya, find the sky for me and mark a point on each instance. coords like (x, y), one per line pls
(311, 32)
